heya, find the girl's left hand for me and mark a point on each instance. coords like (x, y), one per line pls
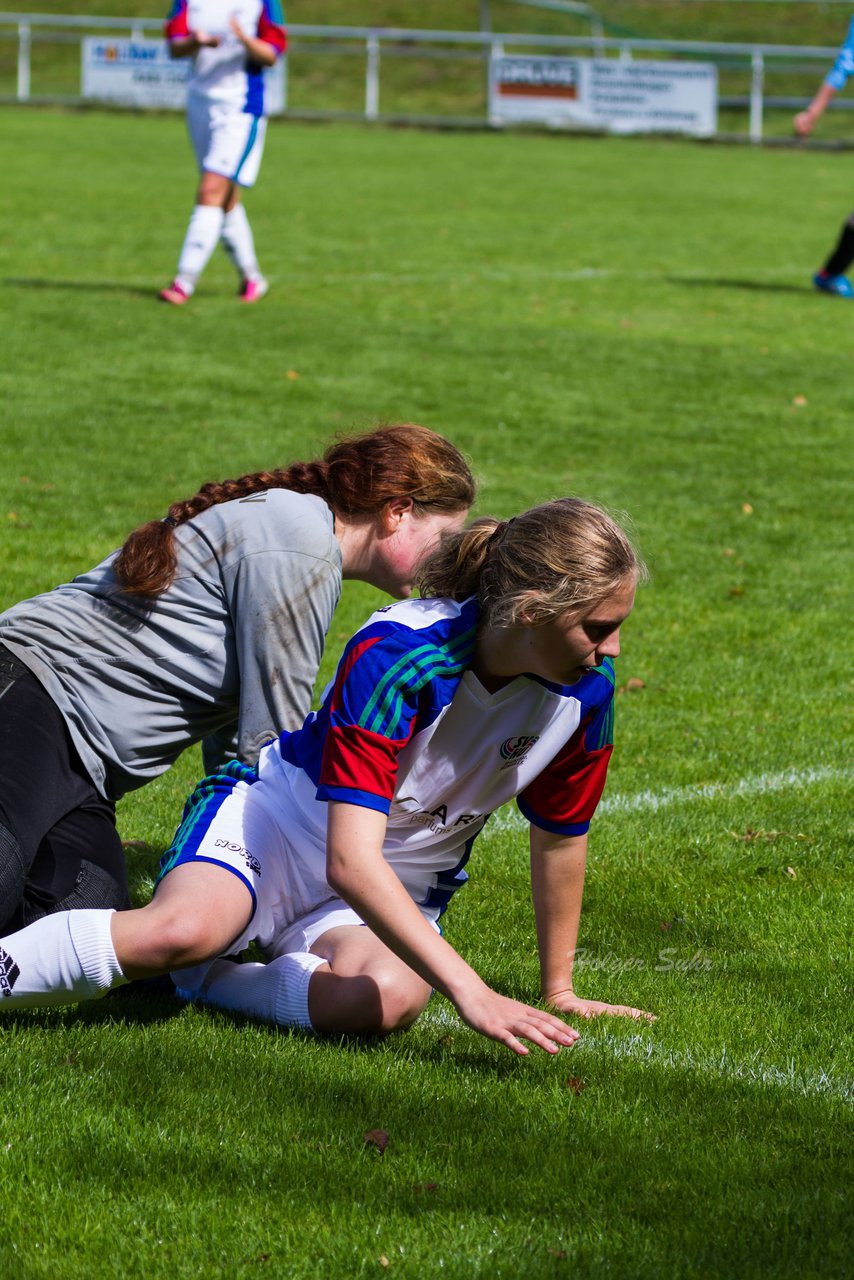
(568, 1002)
(237, 29)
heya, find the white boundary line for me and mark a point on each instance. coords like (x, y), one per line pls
(810, 1083)
(510, 819)
(638, 1048)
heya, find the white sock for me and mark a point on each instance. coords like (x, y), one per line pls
(275, 992)
(59, 959)
(239, 244)
(203, 232)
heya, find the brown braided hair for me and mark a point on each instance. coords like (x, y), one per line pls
(356, 477)
(562, 557)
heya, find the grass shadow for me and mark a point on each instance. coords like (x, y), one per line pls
(749, 286)
(151, 1000)
(79, 286)
(137, 1003)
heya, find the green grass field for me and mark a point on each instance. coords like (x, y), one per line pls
(627, 320)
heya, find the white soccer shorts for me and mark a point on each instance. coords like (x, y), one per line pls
(225, 140)
(235, 822)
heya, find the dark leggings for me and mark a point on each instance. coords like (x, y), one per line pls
(843, 255)
(59, 847)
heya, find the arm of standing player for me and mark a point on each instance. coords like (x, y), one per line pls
(358, 872)
(259, 50)
(557, 884)
(835, 80)
(188, 46)
(806, 120)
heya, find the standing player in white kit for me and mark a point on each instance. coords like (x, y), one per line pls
(231, 43)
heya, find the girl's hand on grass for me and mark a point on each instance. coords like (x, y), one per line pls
(569, 1002)
(509, 1022)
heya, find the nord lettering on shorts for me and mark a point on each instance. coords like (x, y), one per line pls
(251, 861)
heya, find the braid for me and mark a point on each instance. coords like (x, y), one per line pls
(147, 563)
(302, 477)
(356, 478)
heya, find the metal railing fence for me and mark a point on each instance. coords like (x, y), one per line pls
(376, 46)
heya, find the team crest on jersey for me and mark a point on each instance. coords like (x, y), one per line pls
(514, 750)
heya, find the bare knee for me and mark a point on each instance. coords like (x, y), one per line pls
(373, 1003)
(400, 1002)
(184, 941)
(217, 190)
(149, 941)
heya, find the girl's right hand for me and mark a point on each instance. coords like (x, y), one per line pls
(509, 1022)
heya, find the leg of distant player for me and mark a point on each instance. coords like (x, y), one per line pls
(239, 244)
(843, 255)
(218, 214)
(228, 151)
(203, 234)
(832, 278)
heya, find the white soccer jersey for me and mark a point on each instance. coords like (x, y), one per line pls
(226, 74)
(408, 729)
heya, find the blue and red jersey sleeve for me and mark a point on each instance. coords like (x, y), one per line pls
(270, 29)
(176, 23)
(563, 798)
(271, 26)
(391, 682)
(371, 715)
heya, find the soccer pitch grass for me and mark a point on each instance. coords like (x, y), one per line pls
(626, 320)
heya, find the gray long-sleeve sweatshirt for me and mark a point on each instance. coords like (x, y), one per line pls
(227, 654)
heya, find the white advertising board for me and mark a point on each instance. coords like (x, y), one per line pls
(140, 73)
(622, 96)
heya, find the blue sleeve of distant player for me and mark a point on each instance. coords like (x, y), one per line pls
(843, 67)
